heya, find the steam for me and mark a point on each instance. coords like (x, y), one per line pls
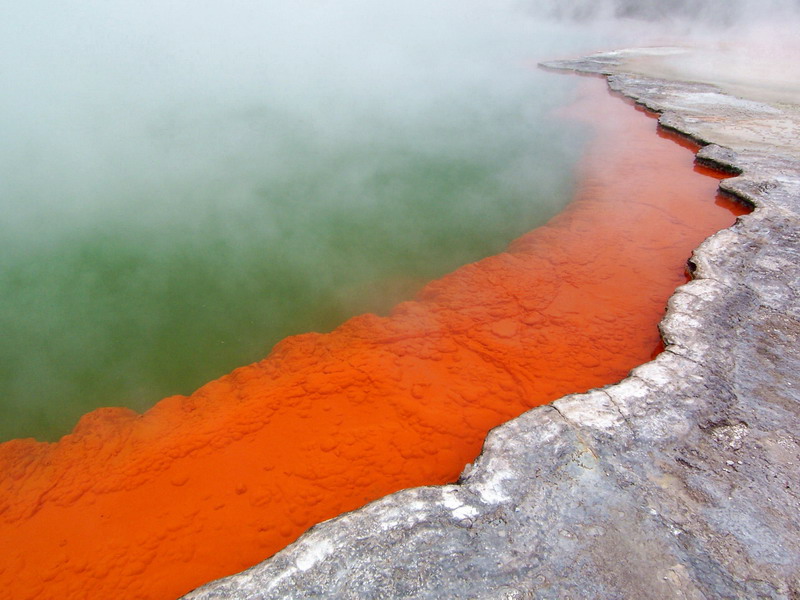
(183, 183)
(120, 91)
(679, 14)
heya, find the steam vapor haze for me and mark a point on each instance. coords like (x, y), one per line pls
(183, 184)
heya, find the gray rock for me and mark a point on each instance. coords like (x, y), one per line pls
(681, 481)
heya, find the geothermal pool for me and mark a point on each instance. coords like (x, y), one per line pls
(183, 187)
(152, 505)
(173, 208)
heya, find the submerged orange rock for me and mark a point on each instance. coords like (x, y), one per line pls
(153, 505)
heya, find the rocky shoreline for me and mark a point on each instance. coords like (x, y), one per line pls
(680, 481)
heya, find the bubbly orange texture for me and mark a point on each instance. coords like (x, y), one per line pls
(153, 505)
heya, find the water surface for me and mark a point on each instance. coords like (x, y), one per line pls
(182, 190)
(153, 505)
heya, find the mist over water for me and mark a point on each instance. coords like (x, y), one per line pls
(673, 15)
(183, 184)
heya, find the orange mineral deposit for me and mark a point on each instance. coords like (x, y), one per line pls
(150, 506)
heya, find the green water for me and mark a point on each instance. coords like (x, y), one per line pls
(155, 239)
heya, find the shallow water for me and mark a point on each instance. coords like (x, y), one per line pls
(152, 505)
(125, 310)
(171, 211)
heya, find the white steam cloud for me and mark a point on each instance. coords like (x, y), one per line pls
(176, 177)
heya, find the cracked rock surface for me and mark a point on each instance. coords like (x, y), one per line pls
(682, 481)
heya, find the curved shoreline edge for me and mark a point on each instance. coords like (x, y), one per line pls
(679, 481)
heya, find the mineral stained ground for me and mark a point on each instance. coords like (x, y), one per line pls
(681, 481)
